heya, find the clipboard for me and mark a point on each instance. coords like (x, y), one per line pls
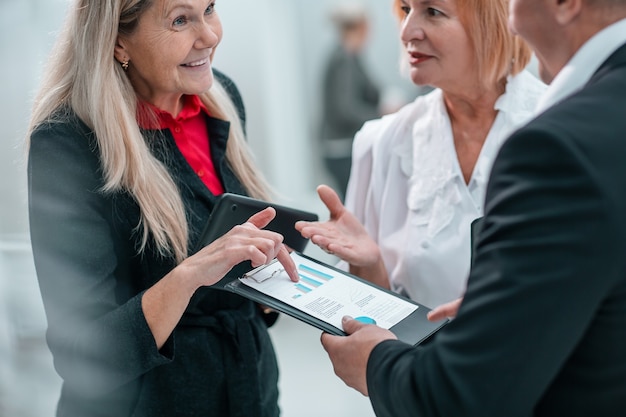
(413, 327)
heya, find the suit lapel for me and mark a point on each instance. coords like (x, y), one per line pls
(617, 59)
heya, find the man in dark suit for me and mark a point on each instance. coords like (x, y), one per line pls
(542, 327)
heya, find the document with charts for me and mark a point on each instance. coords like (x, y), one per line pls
(325, 294)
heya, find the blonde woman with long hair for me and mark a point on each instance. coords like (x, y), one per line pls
(132, 138)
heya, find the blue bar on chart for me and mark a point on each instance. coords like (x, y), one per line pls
(302, 288)
(310, 281)
(315, 272)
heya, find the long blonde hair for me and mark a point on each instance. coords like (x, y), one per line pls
(83, 74)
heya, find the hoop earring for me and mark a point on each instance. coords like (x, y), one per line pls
(124, 65)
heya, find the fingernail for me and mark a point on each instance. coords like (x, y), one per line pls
(346, 318)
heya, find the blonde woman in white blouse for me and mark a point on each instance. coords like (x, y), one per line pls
(418, 177)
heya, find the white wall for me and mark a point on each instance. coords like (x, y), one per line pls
(24, 43)
(260, 53)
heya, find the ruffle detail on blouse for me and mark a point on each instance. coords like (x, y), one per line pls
(427, 161)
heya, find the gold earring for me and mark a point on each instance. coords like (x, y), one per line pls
(125, 65)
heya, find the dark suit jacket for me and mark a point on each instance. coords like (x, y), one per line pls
(219, 360)
(542, 329)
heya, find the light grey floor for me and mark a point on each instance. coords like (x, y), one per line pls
(308, 385)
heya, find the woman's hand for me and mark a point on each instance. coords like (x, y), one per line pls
(245, 242)
(165, 302)
(342, 235)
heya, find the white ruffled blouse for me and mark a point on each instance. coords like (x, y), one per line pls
(407, 188)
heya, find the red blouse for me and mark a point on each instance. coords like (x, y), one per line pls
(192, 138)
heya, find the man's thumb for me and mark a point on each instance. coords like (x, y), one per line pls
(351, 325)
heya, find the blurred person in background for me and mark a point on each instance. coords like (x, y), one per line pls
(350, 96)
(132, 138)
(419, 175)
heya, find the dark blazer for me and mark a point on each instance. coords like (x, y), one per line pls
(219, 360)
(542, 328)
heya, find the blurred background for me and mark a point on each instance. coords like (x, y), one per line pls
(276, 52)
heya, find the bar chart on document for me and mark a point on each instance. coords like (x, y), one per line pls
(310, 279)
(329, 295)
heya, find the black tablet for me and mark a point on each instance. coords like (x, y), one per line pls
(234, 209)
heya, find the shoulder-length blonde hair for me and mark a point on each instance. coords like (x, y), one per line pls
(83, 74)
(498, 52)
